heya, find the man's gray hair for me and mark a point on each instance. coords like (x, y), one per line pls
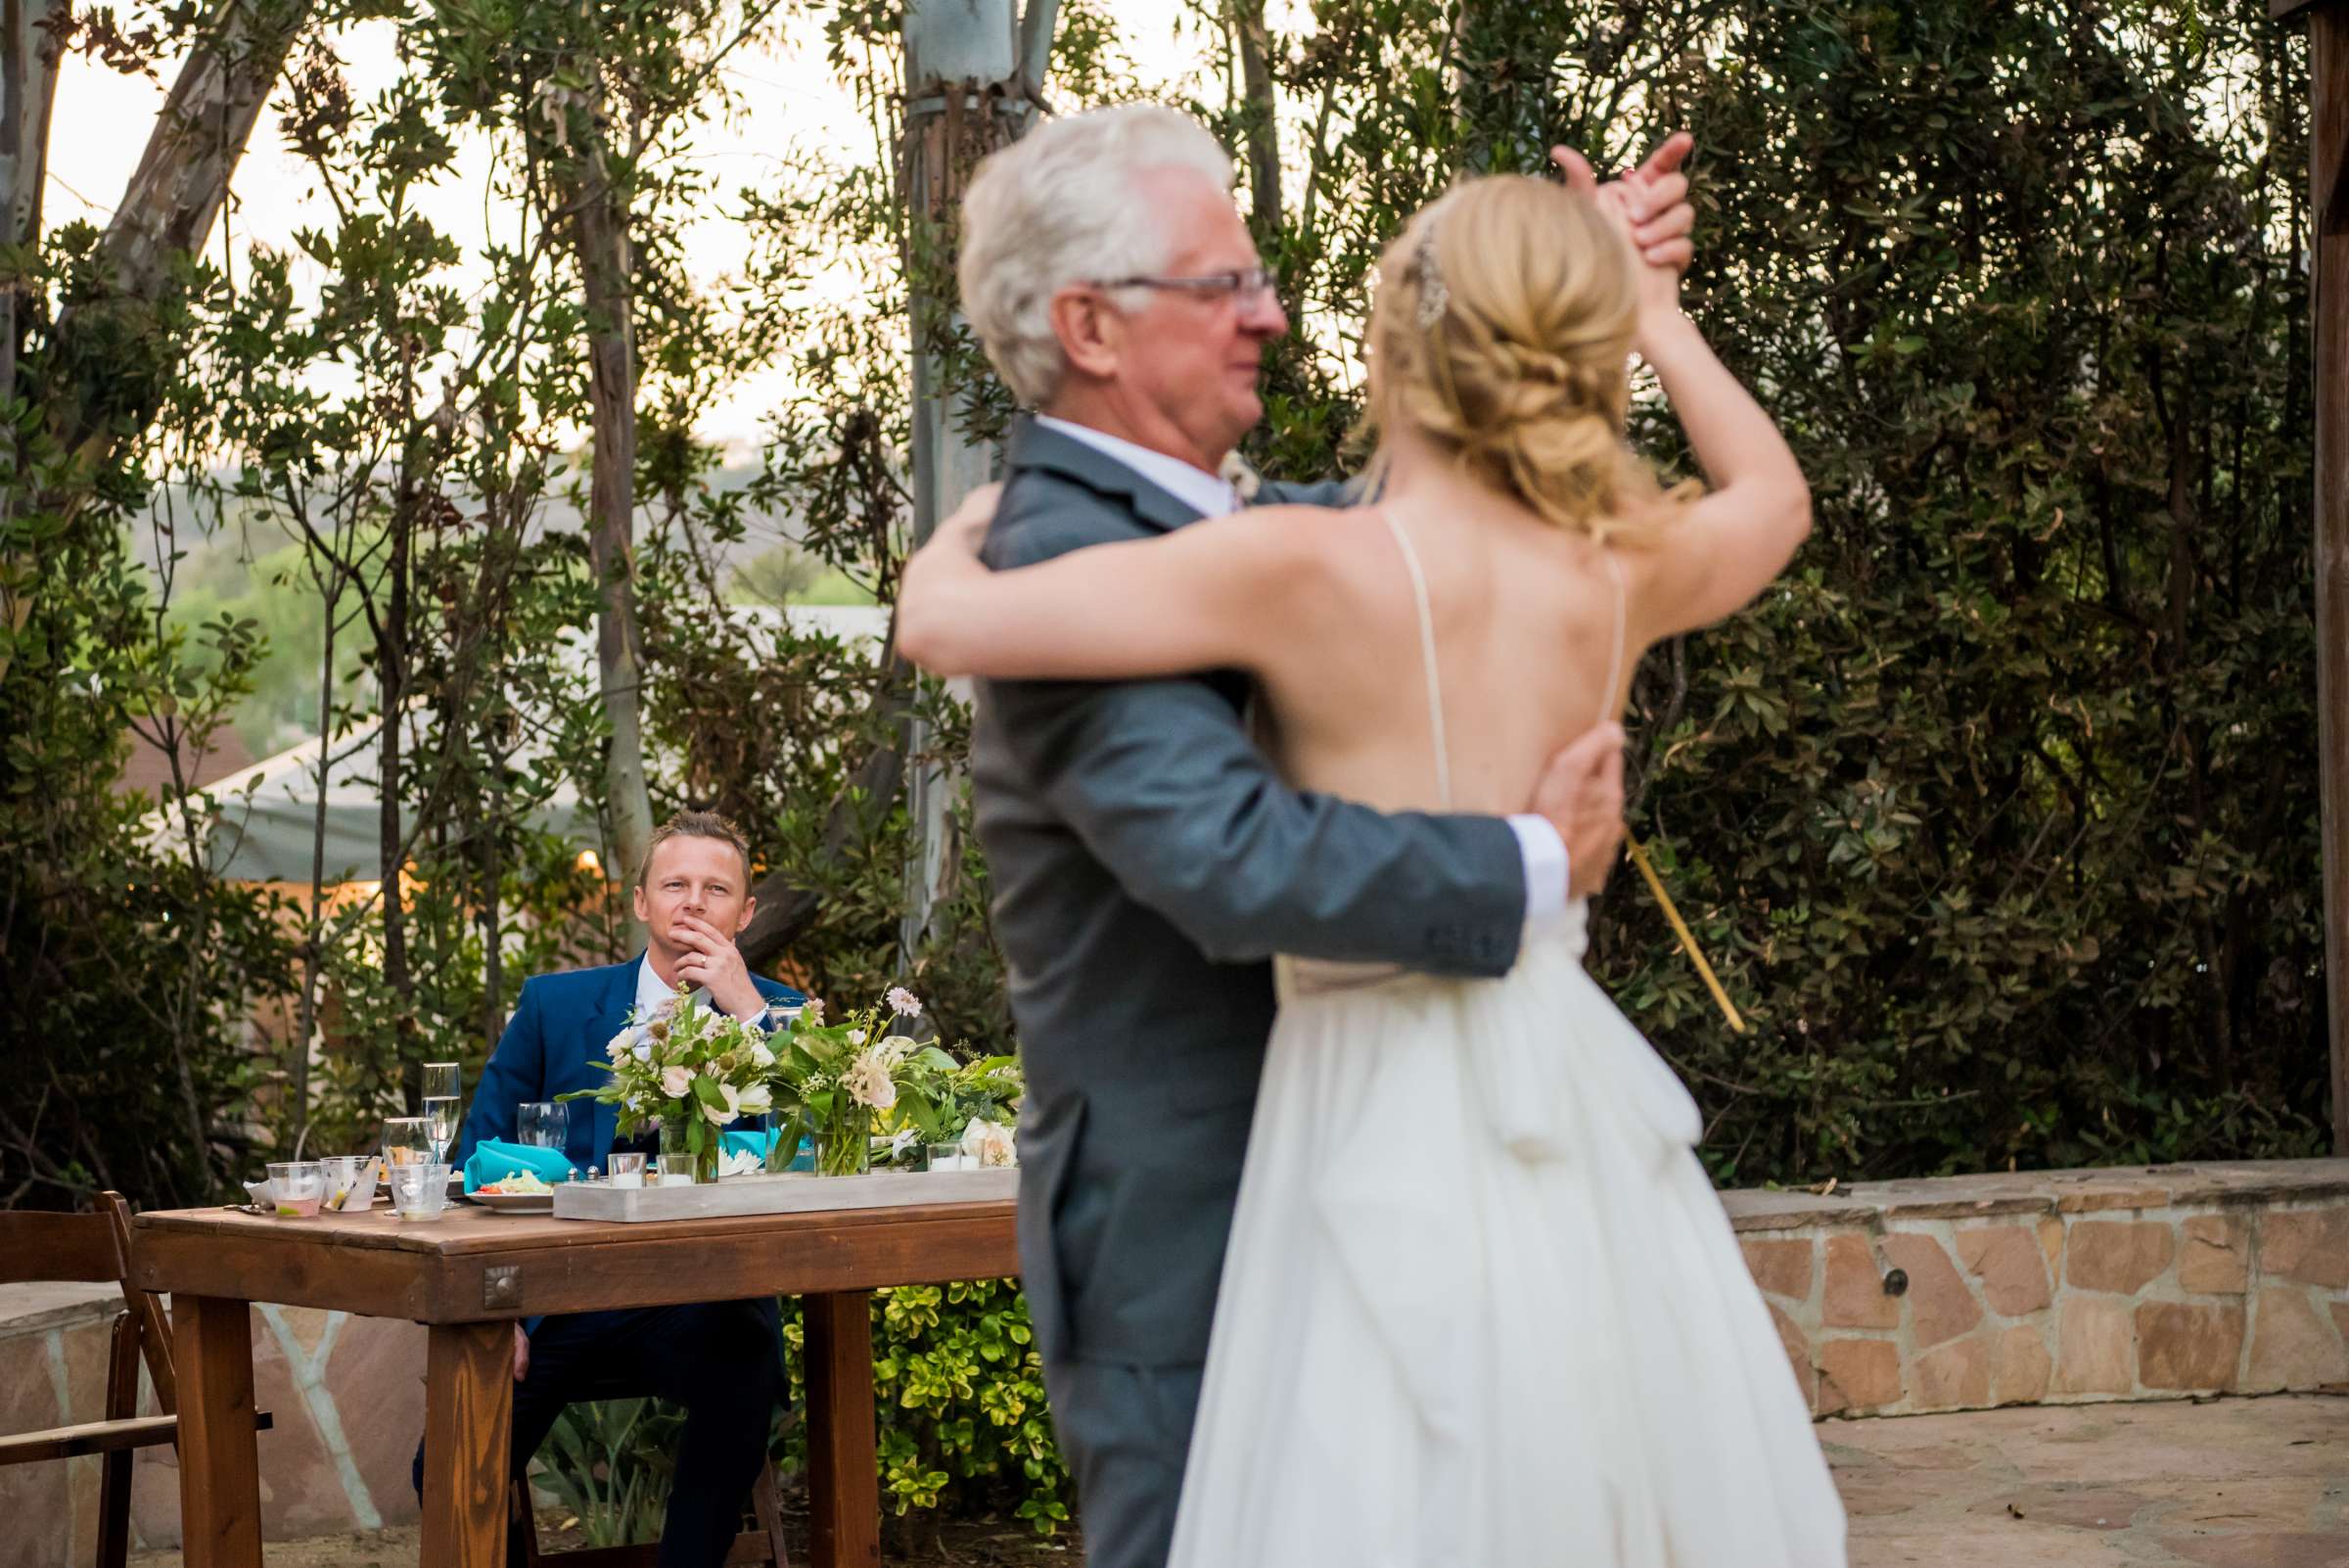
(1061, 206)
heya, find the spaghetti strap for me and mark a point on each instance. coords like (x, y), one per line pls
(1606, 693)
(1427, 659)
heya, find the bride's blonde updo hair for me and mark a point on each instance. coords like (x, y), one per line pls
(1499, 333)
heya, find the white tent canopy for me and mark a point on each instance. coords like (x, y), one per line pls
(264, 818)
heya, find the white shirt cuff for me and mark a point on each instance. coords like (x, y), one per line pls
(1544, 866)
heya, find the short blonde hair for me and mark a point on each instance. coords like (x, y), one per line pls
(1062, 205)
(696, 825)
(1501, 333)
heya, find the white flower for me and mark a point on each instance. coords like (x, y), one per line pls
(738, 1162)
(904, 1002)
(761, 1056)
(989, 1143)
(644, 1050)
(676, 1083)
(732, 1111)
(757, 1101)
(814, 1012)
(868, 1084)
(902, 1138)
(856, 1036)
(619, 1045)
(895, 1049)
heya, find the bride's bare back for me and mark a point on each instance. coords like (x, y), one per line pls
(1528, 653)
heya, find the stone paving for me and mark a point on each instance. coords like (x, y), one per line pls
(2233, 1483)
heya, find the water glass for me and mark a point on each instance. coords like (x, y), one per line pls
(781, 1015)
(541, 1124)
(420, 1190)
(627, 1169)
(407, 1140)
(677, 1170)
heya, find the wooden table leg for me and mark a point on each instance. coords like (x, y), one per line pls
(468, 1429)
(843, 1477)
(219, 1460)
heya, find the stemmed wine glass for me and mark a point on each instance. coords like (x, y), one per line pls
(442, 1106)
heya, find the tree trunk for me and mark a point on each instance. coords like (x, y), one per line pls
(600, 230)
(1261, 128)
(28, 89)
(166, 209)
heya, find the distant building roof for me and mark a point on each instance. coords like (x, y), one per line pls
(149, 765)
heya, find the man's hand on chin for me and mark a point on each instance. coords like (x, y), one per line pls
(712, 962)
(1581, 792)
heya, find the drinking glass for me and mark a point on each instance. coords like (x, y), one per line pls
(781, 1014)
(677, 1170)
(541, 1124)
(419, 1189)
(627, 1169)
(444, 1104)
(407, 1140)
(349, 1182)
(296, 1187)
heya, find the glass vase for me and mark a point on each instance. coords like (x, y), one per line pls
(789, 1132)
(674, 1139)
(844, 1142)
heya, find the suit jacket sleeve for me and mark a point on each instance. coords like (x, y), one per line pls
(517, 1073)
(1168, 790)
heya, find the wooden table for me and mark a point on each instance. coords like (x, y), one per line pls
(470, 1275)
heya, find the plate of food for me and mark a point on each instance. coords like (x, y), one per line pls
(519, 1193)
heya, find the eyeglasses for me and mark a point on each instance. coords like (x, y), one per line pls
(1249, 282)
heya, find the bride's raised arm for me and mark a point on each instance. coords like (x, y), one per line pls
(1215, 594)
(1733, 540)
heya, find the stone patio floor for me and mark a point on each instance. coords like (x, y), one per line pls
(2238, 1483)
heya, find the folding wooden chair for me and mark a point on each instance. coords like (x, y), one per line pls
(95, 1248)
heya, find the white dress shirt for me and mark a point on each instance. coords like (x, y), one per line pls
(1543, 851)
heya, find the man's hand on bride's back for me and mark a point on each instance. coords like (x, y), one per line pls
(1581, 793)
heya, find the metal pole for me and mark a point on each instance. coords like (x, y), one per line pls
(972, 67)
(2328, 313)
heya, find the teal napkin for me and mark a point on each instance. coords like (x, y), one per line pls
(496, 1159)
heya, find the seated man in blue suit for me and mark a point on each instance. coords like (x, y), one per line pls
(720, 1360)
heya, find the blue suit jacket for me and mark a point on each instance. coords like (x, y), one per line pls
(559, 1030)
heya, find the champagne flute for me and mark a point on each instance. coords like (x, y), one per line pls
(442, 1106)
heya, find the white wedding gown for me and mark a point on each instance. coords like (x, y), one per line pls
(1482, 1307)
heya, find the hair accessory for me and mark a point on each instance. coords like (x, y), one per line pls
(1434, 298)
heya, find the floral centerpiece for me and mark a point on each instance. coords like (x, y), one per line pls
(690, 1070)
(864, 1077)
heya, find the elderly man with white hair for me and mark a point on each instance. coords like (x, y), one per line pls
(1147, 860)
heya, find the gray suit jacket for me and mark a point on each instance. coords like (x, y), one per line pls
(1147, 862)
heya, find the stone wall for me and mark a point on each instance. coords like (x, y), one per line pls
(1891, 1298)
(2059, 1287)
(346, 1394)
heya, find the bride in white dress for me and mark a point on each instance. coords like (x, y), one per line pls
(1481, 1306)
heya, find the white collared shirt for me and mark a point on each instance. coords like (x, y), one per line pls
(1537, 842)
(1192, 486)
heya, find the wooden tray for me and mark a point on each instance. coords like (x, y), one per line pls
(793, 1193)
